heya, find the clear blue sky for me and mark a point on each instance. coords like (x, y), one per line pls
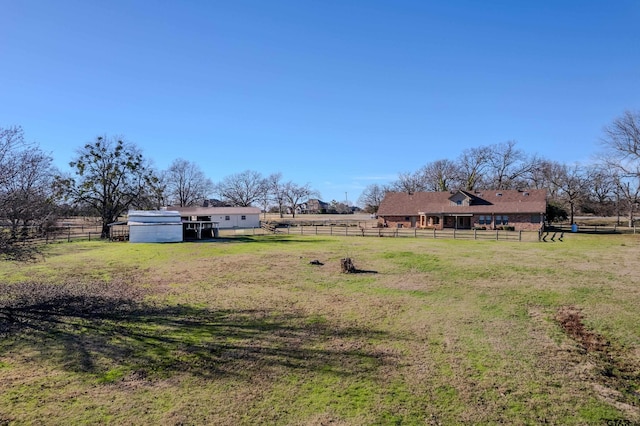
(335, 93)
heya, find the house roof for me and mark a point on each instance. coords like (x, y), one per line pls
(481, 202)
(208, 211)
(153, 217)
(153, 213)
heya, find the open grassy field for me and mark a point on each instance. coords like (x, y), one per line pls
(246, 331)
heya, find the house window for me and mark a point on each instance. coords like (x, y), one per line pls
(227, 218)
(535, 218)
(484, 220)
(458, 202)
(502, 220)
(243, 217)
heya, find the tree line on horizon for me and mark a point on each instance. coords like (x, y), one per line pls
(110, 176)
(609, 186)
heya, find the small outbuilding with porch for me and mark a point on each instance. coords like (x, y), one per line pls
(224, 217)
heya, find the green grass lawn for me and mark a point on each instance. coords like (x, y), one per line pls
(247, 331)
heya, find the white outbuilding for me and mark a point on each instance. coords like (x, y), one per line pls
(224, 217)
(154, 226)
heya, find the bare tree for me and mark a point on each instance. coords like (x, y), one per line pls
(27, 199)
(601, 189)
(628, 194)
(186, 183)
(371, 197)
(410, 182)
(26, 177)
(507, 166)
(472, 165)
(275, 191)
(242, 189)
(295, 195)
(622, 140)
(11, 142)
(537, 177)
(622, 143)
(111, 177)
(440, 175)
(572, 186)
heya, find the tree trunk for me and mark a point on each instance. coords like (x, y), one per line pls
(347, 265)
(572, 211)
(105, 231)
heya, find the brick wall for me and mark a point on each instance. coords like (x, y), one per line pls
(394, 221)
(521, 222)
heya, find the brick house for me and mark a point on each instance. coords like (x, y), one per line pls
(488, 209)
(314, 206)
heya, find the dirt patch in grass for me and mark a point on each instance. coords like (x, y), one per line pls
(570, 319)
(614, 377)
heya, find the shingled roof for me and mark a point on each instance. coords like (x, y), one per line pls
(482, 202)
(208, 211)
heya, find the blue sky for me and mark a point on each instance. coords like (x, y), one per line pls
(335, 93)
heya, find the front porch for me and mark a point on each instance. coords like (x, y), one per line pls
(445, 221)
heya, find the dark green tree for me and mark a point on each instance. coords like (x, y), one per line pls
(556, 212)
(111, 177)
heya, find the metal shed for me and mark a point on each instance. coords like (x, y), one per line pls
(154, 226)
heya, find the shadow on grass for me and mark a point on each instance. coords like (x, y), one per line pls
(98, 330)
(19, 251)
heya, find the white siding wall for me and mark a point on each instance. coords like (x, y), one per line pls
(152, 233)
(235, 221)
